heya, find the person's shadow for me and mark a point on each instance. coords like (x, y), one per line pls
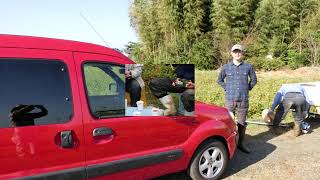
(260, 148)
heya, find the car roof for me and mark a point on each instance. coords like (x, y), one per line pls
(31, 42)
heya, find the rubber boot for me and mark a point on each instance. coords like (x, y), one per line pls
(241, 146)
(168, 103)
(186, 113)
(296, 129)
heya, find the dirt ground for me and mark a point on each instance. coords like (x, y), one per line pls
(274, 157)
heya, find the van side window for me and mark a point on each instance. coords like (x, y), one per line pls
(34, 92)
(105, 88)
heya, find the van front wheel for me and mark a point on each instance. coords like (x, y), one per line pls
(210, 161)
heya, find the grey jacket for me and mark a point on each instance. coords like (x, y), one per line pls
(136, 71)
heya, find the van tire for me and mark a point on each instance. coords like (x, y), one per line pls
(213, 158)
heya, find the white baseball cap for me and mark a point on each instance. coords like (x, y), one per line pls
(237, 47)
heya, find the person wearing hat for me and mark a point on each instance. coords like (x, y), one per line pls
(289, 96)
(237, 78)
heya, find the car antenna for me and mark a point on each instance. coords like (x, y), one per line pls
(94, 29)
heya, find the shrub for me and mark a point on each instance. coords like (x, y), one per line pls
(295, 59)
(204, 54)
(261, 63)
(256, 62)
(273, 64)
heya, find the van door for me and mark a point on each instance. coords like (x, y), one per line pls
(41, 131)
(116, 146)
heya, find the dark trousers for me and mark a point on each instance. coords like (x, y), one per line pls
(187, 98)
(161, 86)
(241, 107)
(134, 89)
(294, 101)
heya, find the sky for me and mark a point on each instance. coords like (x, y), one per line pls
(61, 19)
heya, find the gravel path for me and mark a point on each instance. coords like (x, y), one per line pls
(274, 157)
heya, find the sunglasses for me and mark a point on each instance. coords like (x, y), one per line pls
(237, 51)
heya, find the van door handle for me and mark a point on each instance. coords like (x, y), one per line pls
(102, 131)
(67, 140)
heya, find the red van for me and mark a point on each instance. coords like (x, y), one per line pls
(57, 123)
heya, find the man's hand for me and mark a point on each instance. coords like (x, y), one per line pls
(175, 82)
(190, 85)
(127, 75)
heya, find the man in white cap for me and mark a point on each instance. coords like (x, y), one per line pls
(234, 79)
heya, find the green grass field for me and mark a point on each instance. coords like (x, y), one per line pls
(261, 97)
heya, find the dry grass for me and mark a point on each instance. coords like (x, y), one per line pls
(301, 72)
